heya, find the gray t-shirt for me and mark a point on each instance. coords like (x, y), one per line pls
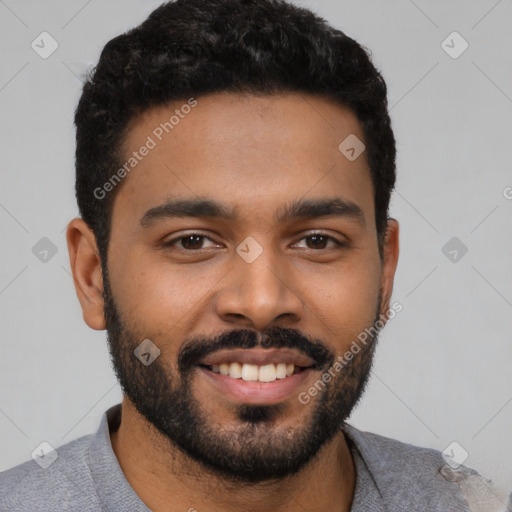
(86, 476)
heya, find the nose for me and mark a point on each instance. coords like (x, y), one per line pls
(259, 294)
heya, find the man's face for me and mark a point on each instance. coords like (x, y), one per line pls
(200, 286)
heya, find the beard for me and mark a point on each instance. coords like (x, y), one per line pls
(256, 449)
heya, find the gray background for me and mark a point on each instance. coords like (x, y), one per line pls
(443, 367)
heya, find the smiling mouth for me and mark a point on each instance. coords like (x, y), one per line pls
(257, 376)
(257, 373)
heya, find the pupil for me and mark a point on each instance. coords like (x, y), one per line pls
(194, 244)
(316, 238)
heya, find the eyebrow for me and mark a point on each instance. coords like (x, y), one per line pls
(299, 209)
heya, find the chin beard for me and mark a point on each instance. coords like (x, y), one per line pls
(256, 448)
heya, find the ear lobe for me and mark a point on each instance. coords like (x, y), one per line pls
(86, 269)
(389, 264)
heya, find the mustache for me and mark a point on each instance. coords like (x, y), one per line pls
(196, 348)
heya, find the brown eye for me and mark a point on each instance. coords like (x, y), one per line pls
(191, 242)
(320, 241)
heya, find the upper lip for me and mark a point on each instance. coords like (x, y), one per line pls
(258, 356)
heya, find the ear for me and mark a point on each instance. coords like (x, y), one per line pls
(86, 269)
(389, 263)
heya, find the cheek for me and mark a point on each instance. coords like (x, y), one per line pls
(156, 295)
(345, 302)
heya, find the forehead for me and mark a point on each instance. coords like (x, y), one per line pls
(255, 153)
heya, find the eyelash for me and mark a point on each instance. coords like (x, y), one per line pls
(172, 242)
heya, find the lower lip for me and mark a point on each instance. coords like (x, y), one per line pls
(254, 392)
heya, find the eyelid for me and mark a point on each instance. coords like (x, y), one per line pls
(176, 239)
(339, 243)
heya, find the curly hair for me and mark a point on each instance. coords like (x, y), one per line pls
(188, 48)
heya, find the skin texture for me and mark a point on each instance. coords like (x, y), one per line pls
(255, 154)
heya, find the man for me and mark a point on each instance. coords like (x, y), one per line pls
(234, 167)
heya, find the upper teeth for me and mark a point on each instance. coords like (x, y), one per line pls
(265, 373)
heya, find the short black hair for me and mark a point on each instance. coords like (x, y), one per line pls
(189, 48)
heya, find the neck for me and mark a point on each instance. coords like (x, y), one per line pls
(165, 479)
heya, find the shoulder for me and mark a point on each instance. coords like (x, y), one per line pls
(62, 481)
(420, 478)
(385, 452)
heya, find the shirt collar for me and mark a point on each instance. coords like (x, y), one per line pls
(379, 456)
(111, 485)
(406, 475)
